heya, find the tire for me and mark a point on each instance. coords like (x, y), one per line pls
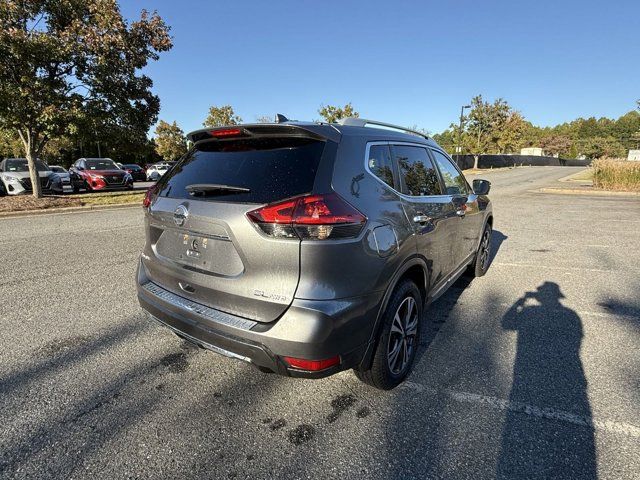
(482, 259)
(396, 351)
(3, 192)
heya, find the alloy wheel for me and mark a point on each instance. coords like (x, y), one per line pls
(402, 337)
(485, 249)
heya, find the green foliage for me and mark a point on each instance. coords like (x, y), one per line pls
(495, 127)
(170, 141)
(332, 114)
(10, 145)
(221, 116)
(73, 65)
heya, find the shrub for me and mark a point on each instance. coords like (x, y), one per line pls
(616, 174)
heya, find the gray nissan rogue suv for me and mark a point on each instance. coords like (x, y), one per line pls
(310, 248)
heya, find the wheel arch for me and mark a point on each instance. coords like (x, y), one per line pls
(416, 269)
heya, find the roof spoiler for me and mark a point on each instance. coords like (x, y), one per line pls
(363, 122)
(262, 130)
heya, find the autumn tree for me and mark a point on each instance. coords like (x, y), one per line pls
(332, 114)
(170, 141)
(63, 60)
(221, 116)
(556, 145)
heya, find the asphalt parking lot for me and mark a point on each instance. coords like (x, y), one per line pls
(532, 371)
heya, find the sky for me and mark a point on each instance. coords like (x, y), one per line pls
(403, 62)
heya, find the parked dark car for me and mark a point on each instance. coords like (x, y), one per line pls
(136, 171)
(65, 177)
(307, 249)
(94, 174)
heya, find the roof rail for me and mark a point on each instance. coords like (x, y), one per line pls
(363, 122)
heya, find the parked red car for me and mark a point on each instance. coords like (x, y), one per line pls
(99, 174)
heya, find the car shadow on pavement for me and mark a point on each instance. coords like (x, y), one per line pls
(437, 314)
(548, 378)
(134, 399)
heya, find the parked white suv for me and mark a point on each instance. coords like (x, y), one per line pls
(154, 172)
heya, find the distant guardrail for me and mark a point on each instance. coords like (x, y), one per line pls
(497, 161)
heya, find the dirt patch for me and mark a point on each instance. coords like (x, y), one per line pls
(20, 203)
(301, 434)
(340, 405)
(363, 412)
(27, 202)
(175, 362)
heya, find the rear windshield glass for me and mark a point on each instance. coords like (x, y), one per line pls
(270, 168)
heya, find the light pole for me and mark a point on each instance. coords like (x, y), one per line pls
(462, 109)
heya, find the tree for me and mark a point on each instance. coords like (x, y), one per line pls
(485, 125)
(332, 114)
(10, 145)
(221, 116)
(602, 147)
(511, 133)
(264, 119)
(170, 141)
(61, 61)
(556, 145)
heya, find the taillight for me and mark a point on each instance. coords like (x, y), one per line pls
(314, 217)
(149, 196)
(312, 365)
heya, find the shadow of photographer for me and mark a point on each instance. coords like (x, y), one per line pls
(548, 373)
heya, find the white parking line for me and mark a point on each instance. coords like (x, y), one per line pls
(547, 413)
(550, 267)
(584, 313)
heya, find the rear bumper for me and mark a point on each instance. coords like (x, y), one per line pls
(313, 330)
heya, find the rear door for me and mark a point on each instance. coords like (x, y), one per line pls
(202, 245)
(430, 212)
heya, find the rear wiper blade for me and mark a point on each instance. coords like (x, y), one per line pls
(214, 189)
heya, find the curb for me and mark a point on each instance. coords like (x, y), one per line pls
(577, 191)
(50, 211)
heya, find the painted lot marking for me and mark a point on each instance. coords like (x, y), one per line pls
(550, 267)
(587, 313)
(547, 413)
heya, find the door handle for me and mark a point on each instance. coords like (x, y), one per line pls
(422, 219)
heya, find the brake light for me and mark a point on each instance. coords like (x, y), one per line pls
(315, 217)
(149, 196)
(312, 365)
(226, 132)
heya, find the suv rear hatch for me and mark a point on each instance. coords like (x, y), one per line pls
(200, 241)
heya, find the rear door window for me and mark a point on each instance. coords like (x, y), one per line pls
(380, 163)
(270, 168)
(454, 181)
(418, 175)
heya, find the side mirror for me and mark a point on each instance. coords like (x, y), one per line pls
(481, 187)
